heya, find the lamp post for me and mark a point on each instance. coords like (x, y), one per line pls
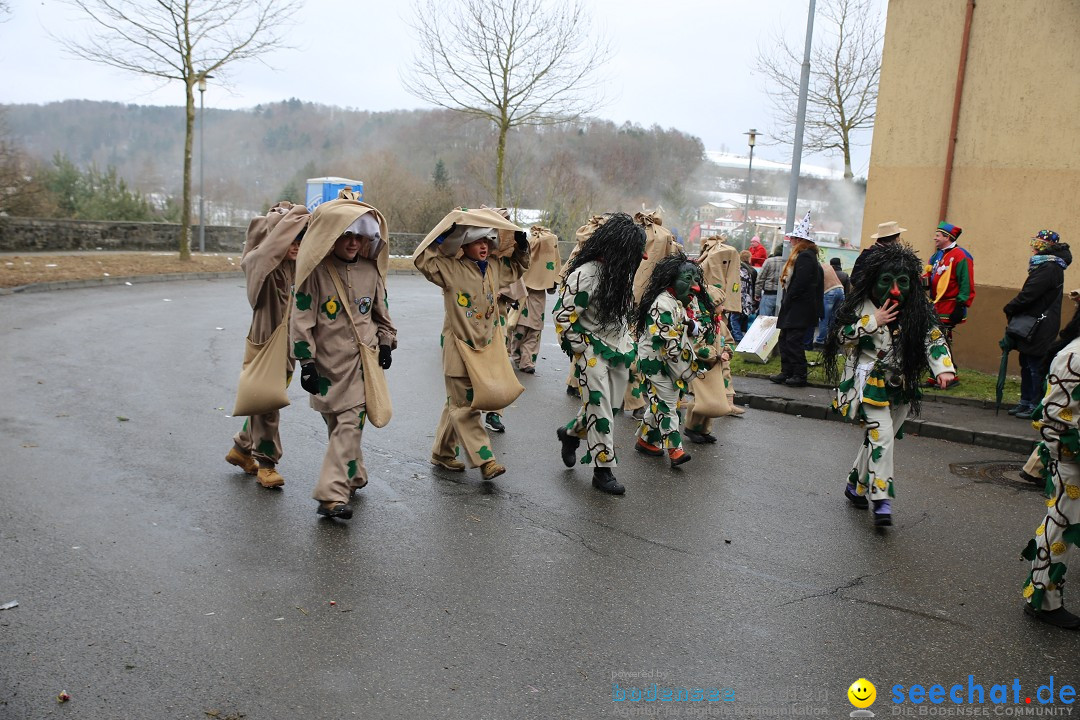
(749, 176)
(202, 169)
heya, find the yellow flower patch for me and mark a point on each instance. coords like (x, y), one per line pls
(1066, 415)
(1072, 491)
(874, 434)
(1029, 590)
(881, 484)
(864, 320)
(1039, 530)
(935, 334)
(591, 362)
(1058, 548)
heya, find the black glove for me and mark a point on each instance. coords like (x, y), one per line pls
(514, 304)
(957, 315)
(384, 357)
(309, 378)
(521, 239)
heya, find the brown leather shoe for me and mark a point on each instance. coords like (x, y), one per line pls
(491, 469)
(270, 478)
(242, 460)
(452, 464)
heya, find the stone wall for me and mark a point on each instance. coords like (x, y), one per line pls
(38, 235)
(43, 235)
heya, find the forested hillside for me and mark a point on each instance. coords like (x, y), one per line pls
(415, 164)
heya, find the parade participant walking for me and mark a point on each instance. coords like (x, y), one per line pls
(583, 234)
(341, 305)
(715, 389)
(269, 265)
(454, 256)
(720, 267)
(667, 357)
(1038, 304)
(591, 315)
(802, 305)
(950, 281)
(540, 279)
(1058, 471)
(889, 338)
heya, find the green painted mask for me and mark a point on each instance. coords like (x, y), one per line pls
(891, 285)
(687, 283)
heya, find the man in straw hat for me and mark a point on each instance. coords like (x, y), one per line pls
(887, 234)
(269, 264)
(802, 305)
(455, 257)
(341, 302)
(591, 315)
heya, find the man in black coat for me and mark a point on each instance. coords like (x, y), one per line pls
(1040, 297)
(802, 305)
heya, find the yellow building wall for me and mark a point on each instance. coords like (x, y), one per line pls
(1017, 164)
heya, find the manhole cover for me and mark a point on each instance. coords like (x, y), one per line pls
(998, 473)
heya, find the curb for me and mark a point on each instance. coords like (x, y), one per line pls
(169, 277)
(924, 428)
(107, 281)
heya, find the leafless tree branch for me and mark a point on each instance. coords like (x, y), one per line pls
(511, 62)
(183, 40)
(845, 66)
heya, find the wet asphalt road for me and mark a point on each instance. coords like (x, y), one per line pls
(154, 580)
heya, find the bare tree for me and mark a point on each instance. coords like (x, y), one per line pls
(185, 40)
(511, 62)
(845, 65)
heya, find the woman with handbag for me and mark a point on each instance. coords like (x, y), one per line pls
(269, 268)
(1034, 315)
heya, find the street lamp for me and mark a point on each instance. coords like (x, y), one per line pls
(202, 170)
(749, 175)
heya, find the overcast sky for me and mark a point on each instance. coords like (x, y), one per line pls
(685, 64)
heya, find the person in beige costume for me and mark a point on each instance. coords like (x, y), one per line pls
(455, 257)
(659, 244)
(269, 266)
(718, 344)
(539, 280)
(720, 265)
(340, 301)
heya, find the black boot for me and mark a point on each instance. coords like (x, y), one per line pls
(604, 481)
(1060, 617)
(569, 447)
(779, 378)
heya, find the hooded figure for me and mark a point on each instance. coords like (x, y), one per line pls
(455, 257)
(659, 244)
(667, 357)
(270, 250)
(541, 278)
(713, 345)
(341, 302)
(890, 338)
(594, 303)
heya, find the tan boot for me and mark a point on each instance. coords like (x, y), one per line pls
(491, 469)
(452, 464)
(270, 478)
(242, 460)
(736, 411)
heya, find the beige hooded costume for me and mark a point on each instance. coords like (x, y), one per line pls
(527, 323)
(659, 243)
(324, 327)
(269, 274)
(471, 315)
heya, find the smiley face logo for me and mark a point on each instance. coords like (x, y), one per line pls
(862, 693)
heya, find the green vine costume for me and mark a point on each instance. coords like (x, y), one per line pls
(1059, 532)
(601, 356)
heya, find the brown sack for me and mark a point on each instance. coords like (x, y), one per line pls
(263, 386)
(710, 395)
(494, 383)
(376, 392)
